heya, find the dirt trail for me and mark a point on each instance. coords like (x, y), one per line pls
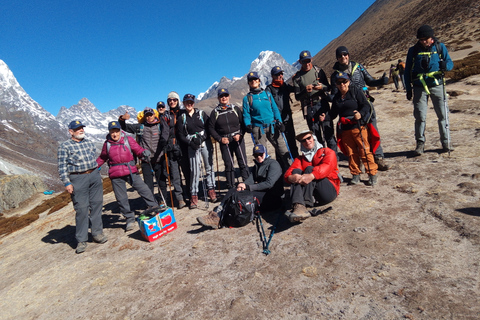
(408, 248)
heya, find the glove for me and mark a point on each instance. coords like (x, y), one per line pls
(197, 140)
(385, 78)
(193, 145)
(409, 94)
(442, 65)
(281, 126)
(169, 147)
(146, 154)
(249, 128)
(177, 152)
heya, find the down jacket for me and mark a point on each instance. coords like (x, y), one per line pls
(324, 164)
(119, 158)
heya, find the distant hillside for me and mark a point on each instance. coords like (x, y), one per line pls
(386, 30)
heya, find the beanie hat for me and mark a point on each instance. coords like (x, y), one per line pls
(173, 95)
(425, 31)
(340, 50)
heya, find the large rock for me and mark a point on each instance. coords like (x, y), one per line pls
(14, 189)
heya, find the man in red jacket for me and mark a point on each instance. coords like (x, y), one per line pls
(314, 177)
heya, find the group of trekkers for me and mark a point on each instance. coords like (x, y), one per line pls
(173, 141)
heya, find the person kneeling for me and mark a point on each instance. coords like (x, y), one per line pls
(314, 177)
(264, 182)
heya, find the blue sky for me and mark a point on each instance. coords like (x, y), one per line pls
(135, 52)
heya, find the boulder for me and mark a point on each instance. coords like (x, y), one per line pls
(14, 189)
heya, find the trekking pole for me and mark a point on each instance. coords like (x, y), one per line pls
(158, 185)
(203, 173)
(218, 169)
(233, 164)
(266, 251)
(447, 121)
(323, 134)
(243, 156)
(286, 143)
(169, 183)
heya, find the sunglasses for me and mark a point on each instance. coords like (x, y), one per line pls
(258, 155)
(341, 82)
(160, 107)
(305, 61)
(343, 54)
(306, 139)
(223, 96)
(168, 100)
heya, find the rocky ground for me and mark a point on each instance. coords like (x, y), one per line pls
(407, 248)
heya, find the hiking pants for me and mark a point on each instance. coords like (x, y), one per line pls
(87, 199)
(318, 192)
(197, 157)
(175, 178)
(355, 146)
(277, 141)
(147, 168)
(228, 150)
(120, 190)
(373, 121)
(420, 107)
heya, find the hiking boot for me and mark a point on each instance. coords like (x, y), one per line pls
(211, 220)
(212, 195)
(372, 180)
(130, 225)
(101, 238)
(81, 247)
(420, 148)
(299, 213)
(181, 204)
(355, 180)
(193, 202)
(445, 148)
(382, 165)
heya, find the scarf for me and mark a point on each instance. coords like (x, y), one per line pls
(277, 83)
(308, 154)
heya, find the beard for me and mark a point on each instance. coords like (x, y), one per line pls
(79, 136)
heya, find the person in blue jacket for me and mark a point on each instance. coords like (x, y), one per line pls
(263, 120)
(426, 63)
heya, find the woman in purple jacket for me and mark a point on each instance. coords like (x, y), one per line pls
(118, 151)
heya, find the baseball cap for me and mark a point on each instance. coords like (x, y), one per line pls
(222, 91)
(276, 70)
(189, 97)
(252, 75)
(160, 104)
(75, 124)
(148, 110)
(113, 125)
(341, 75)
(259, 148)
(304, 55)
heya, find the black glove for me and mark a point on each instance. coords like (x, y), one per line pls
(249, 128)
(193, 145)
(442, 65)
(409, 94)
(197, 140)
(385, 78)
(281, 126)
(146, 154)
(176, 152)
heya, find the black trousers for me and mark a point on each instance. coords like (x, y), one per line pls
(317, 192)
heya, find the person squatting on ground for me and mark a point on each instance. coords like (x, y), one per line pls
(152, 135)
(265, 183)
(351, 105)
(225, 126)
(426, 63)
(360, 77)
(262, 118)
(118, 151)
(192, 130)
(78, 172)
(311, 87)
(314, 177)
(281, 93)
(173, 101)
(172, 153)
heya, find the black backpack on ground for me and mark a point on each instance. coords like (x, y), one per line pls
(240, 209)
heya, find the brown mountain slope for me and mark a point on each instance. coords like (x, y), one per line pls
(386, 30)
